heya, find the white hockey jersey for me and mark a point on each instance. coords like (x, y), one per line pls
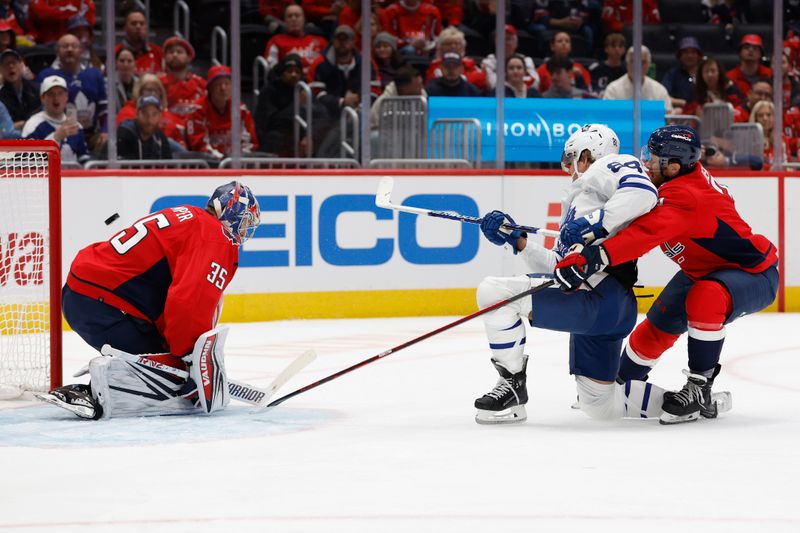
(616, 183)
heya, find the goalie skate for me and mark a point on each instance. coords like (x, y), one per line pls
(76, 399)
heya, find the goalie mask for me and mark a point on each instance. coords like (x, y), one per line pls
(598, 139)
(235, 205)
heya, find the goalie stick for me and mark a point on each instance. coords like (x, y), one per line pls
(240, 391)
(412, 342)
(383, 198)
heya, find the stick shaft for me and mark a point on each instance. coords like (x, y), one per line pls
(410, 343)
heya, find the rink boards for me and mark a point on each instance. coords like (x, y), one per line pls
(324, 249)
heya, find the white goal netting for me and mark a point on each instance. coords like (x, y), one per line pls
(24, 272)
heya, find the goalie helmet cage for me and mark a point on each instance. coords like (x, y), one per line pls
(30, 266)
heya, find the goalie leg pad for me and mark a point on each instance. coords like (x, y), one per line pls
(125, 388)
(207, 370)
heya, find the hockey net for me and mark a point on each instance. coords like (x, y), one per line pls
(30, 267)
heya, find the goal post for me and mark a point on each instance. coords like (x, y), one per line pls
(30, 267)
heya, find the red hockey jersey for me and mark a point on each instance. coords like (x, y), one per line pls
(424, 23)
(697, 226)
(173, 126)
(170, 268)
(308, 47)
(48, 18)
(208, 129)
(149, 60)
(183, 96)
(742, 81)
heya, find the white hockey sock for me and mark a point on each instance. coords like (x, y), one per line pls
(640, 399)
(633, 399)
(505, 329)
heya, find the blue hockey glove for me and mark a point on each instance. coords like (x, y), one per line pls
(579, 265)
(490, 226)
(584, 230)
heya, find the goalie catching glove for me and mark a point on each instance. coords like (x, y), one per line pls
(493, 230)
(581, 263)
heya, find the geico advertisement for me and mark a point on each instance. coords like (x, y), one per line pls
(324, 233)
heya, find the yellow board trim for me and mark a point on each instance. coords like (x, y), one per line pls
(373, 304)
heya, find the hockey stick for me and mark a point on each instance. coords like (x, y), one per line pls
(240, 391)
(411, 342)
(383, 198)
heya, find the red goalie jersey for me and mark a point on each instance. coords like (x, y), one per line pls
(170, 268)
(697, 226)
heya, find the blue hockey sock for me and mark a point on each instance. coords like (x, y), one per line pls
(705, 348)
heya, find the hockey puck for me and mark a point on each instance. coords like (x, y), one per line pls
(111, 219)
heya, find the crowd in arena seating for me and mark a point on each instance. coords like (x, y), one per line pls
(166, 108)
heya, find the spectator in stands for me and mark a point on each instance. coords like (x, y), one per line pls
(20, 96)
(149, 57)
(7, 129)
(339, 69)
(80, 28)
(173, 126)
(126, 76)
(760, 90)
(570, 16)
(452, 82)
(142, 138)
(8, 36)
(52, 123)
(13, 14)
(613, 67)
(387, 57)
(791, 82)
(619, 13)
(407, 82)
(274, 111)
(350, 15)
(680, 80)
(295, 41)
(561, 46)
(272, 12)
(561, 82)
(622, 89)
(324, 14)
(726, 13)
(452, 11)
(87, 89)
(415, 24)
(764, 113)
(209, 128)
(489, 63)
(185, 89)
(751, 49)
(713, 86)
(452, 40)
(516, 86)
(48, 18)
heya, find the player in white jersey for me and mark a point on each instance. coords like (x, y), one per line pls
(608, 191)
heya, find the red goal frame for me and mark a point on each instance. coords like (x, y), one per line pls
(54, 228)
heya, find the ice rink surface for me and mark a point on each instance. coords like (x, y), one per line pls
(393, 447)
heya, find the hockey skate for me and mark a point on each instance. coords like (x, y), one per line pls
(694, 400)
(505, 403)
(76, 399)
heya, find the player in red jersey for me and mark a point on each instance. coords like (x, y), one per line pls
(153, 288)
(726, 271)
(295, 41)
(184, 88)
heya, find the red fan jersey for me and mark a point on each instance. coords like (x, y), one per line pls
(184, 96)
(170, 268)
(209, 130)
(424, 23)
(697, 226)
(148, 60)
(578, 70)
(308, 47)
(618, 13)
(48, 18)
(743, 81)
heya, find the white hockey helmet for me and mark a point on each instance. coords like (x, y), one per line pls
(600, 140)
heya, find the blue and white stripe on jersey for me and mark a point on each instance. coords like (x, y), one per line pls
(637, 181)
